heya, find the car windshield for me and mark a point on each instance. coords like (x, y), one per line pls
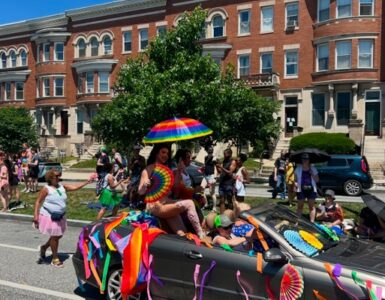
(308, 238)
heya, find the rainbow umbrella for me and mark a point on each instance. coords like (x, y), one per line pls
(176, 129)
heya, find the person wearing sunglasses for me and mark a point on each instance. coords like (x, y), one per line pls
(225, 238)
(49, 216)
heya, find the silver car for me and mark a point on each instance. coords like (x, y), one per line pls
(175, 260)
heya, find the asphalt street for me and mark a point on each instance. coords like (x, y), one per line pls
(22, 278)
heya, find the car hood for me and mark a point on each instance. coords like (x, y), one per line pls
(364, 255)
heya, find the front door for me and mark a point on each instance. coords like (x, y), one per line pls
(64, 122)
(372, 118)
(291, 118)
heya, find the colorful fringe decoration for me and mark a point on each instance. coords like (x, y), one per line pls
(334, 273)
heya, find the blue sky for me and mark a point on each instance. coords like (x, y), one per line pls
(19, 10)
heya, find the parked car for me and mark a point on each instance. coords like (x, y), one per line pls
(347, 173)
(363, 256)
(44, 167)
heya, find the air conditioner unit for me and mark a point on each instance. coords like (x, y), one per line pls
(291, 24)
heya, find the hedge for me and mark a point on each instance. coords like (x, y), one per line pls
(332, 143)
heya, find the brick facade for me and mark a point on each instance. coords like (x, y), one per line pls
(63, 87)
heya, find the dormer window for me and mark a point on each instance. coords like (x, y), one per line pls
(13, 59)
(3, 60)
(23, 58)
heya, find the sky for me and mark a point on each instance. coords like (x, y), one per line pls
(19, 10)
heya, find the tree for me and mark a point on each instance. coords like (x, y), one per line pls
(172, 78)
(16, 127)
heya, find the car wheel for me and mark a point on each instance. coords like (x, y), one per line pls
(113, 287)
(352, 187)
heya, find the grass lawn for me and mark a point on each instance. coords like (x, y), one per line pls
(252, 163)
(66, 159)
(91, 163)
(77, 205)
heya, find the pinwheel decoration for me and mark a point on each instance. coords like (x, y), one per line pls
(162, 181)
(291, 284)
(297, 242)
(311, 239)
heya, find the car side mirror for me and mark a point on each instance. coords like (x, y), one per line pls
(274, 255)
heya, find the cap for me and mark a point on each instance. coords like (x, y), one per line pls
(222, 221)
(330, 193)
(103, 149)
(305, 156)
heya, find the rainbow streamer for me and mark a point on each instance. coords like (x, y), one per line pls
(176, 129)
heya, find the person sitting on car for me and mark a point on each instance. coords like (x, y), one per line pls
(330, 212)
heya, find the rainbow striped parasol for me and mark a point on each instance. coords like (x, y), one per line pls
(176, 129)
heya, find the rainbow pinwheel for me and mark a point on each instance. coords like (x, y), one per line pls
(162, 181)
(311, 239)
(176, 129)
(291, 284)
(297, 242)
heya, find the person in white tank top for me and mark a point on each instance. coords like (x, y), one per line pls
(241, 178)
(49, 216)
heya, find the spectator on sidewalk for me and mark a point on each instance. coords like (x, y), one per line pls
(241, 178)
(279, 176)
(34, 170)
(136, 166)
(103, 159)
(13, 180)
(4, 183)
(290, 179)
(226, 180)
(306, 179)
(209, 176)
(329, 212)
(49, 213)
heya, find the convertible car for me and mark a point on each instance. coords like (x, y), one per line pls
(330, 268)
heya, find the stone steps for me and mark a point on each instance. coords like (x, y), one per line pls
(282, 145)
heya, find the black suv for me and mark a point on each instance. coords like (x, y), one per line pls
(349, 173)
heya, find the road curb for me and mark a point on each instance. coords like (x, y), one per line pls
(29, 218)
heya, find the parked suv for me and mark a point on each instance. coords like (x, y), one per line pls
(349, 173)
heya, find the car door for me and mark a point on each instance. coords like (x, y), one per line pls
(222, 281)
(332, 174)
(167, 251)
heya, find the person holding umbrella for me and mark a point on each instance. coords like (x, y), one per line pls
(306, 179)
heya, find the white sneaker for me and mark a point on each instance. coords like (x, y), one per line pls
(27, 191)
(24, 190)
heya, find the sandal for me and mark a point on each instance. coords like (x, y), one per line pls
(57, 263)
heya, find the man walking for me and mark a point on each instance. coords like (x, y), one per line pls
(226, 180)
(209, 176)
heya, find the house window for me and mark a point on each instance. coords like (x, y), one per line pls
(59, 86)
(94, 47)
(19, 90)
(37, 88)
(103, 82)
(107, 45)
(3, 60)
(244, 22)
(46, 87)
(291, 63)
(7, 91)
(267, 19)
(127, 41)
(80, 84)
(292, 14)
(46, 48)
(344, 8)
(266, 62)
(218, 26)
(344, 55)
(372, 96)
(366, 8)
(81, 48)
(365, 54)
(90, 82)
(59, 51)
(143, 39)
(343, 108)
(322, 57)
(243, 65)
(323, 10)
(79, 122)
(318, 110)
(49, 119)
(23, 58)
(161, 31)
(13, 59)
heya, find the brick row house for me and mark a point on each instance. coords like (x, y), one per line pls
(321, 59)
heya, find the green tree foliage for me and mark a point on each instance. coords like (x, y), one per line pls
(16, 127)
(172, 78)
(332, 143)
